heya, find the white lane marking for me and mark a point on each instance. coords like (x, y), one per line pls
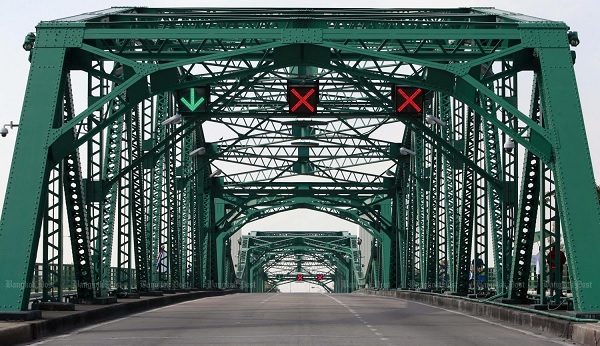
(266, 300)
(493, 323)
(359, 318)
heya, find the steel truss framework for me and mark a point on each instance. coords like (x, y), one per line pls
(127, 182)
(269, 259)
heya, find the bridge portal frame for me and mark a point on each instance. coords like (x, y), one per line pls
(136, 57)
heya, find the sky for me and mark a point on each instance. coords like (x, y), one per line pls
(21, 17)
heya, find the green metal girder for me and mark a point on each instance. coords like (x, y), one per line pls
(467, 212)
(527, 214)
(19, 235)
(77, 217)
(111, 165)
(157, 237)
(174, 234)
(125, 240)
(577, 203)
(138, 210)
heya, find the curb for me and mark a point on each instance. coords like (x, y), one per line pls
(12, 333)
(585, 333)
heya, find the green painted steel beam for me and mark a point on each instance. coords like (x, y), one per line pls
(578, 205)
(21, 217)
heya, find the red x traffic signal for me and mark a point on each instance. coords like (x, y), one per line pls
(408, 100)
(319, 277)
(300, 277)
(303, 99)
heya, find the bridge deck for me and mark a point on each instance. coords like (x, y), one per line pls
(300, 319)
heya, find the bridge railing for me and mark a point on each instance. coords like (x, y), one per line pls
(491, 285)
(67, 280)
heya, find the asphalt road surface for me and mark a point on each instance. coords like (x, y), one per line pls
(299, 319)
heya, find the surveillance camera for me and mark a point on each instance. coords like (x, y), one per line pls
(29, 41)
(509, 145)
(573, 38)
(3, 131)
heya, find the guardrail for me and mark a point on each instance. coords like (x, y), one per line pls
(67, 281)
(490, 284)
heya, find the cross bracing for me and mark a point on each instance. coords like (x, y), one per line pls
(135, 177)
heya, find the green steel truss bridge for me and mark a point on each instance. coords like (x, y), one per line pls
(117, 149)
(269, 259)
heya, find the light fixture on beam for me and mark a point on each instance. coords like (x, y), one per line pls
(118, 72)
(198, 152)
(406, 151)
(389, 172)
(434, 120)
(172, 120)
(215, 173)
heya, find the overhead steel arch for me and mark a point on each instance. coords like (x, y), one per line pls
(128, 169)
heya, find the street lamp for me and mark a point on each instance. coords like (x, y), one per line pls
(433, 120)
(172, 120)
(215, 173)
(406, 151)
(198, 152)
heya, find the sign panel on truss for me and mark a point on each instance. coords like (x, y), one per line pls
(303, 98)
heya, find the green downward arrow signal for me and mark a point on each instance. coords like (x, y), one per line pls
(192, 104)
